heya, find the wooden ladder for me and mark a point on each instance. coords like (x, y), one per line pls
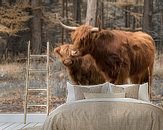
(30, 70)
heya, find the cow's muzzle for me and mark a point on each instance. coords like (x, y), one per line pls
(67, 62)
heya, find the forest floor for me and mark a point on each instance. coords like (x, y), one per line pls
(12, 88)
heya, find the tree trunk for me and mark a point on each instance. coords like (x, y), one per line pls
(77, 11)
(63, 14)
(102, 14)
(0, 2)
(161, 32)
(133, 18)
(127, 16)
(91, 12)
(147, 15)
(36, 27)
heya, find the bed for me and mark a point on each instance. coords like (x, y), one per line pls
(105, 114)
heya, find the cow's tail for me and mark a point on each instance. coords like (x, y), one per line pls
(147, 78)
(149, 82)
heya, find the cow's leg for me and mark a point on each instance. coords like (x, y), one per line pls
(106, 77)
(145, 77)
(123, 75)
(121, 81)
(135, 79)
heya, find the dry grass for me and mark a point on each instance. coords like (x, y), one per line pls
(13, 71)
(158, 68)
(12, 68)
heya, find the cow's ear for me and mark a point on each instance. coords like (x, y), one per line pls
(57, 51)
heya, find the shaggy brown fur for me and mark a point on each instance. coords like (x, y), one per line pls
(119, 55)
(81, 70)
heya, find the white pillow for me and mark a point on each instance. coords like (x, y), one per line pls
(130, 90)
(76, 92)
(133, 91)
(104, 95)
(143, 92)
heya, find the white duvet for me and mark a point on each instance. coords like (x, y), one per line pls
(105, 114)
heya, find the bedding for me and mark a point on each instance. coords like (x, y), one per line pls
(104, 95)
(76, 92)
(105, 114)
(131, 91)
(143, 92)
(137, 91)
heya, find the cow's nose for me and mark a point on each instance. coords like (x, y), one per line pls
(67, 62)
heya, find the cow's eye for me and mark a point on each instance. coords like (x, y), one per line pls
(75, 53)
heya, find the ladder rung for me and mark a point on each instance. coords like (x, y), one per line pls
(36, 105)
(37, 70)
(38, 55)
(36, 89)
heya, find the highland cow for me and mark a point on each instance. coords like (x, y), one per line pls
(119, 55)
(81, 70)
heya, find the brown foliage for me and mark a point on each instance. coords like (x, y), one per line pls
(81, 70)
(119, 55)
(14, 18)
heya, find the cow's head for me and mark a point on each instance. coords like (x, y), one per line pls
(64, 54)
(82, 39)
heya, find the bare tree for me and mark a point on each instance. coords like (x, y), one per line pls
(161, 32)
(127, 16)
(91, 12)
(147, 15)
(100, 14)
(161, 24)
(77, 10)
(36, 27)
(0, 2)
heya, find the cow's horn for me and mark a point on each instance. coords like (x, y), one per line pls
(67, 27)
(94, 29)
